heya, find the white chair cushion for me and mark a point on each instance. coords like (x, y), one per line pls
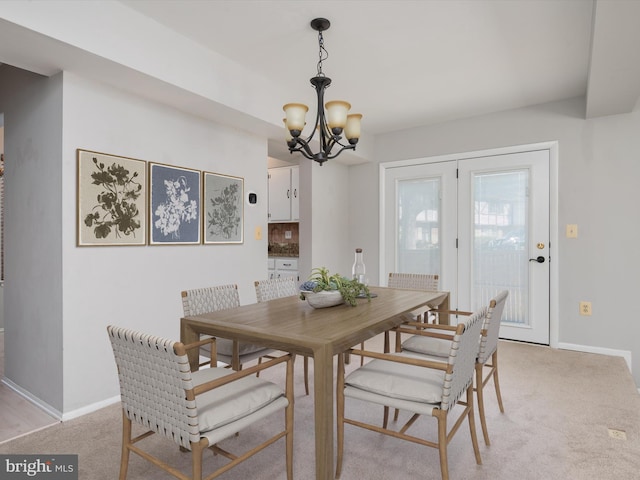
(397, 380)
(232, 401)
(428, 345)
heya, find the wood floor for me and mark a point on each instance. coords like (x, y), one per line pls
(18, 416)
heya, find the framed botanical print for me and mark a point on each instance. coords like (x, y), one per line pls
(223, 219)
(174, 205)
(111, 200)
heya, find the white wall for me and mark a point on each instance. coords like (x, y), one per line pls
(324, 218)
(92, 287)
(598, 175)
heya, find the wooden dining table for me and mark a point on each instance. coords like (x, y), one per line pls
(290, 324)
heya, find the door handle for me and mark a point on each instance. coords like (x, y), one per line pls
(539, 259)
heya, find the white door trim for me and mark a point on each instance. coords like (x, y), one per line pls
(554, 253)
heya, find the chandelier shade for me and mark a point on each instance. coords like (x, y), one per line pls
(332, 119)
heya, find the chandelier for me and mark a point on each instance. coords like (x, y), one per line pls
(331, 124)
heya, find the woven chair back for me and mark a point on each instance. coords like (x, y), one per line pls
(416, 281)
(276, 288)
(462, 356)
(211, 299)
(489, 342)
(153, 381)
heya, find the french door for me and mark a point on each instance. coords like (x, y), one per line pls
(482, 224)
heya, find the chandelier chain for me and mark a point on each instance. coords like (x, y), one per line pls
(322, 54)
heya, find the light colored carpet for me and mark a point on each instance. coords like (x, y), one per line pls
(18, 416)
(558, 408)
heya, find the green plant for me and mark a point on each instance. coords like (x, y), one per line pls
(321, 279)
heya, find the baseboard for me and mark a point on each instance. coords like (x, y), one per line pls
(35, 400)
(54, 412)
(626, 354)
(90, 408)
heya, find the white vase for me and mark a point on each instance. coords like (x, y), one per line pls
(324, 298)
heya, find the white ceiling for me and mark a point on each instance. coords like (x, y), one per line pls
(404, 63)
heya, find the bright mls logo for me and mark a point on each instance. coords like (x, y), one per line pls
(50, 467)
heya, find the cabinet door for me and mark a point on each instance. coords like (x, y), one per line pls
(279, 194)
(295, 193)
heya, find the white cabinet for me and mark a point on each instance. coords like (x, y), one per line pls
(271, 268)
(283, 267)
(284, 198)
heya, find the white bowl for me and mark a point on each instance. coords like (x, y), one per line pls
(324, 298)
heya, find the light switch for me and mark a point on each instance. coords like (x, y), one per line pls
(258, 233)
(572, 230)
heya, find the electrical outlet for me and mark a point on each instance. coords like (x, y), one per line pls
(572, 230)
(258, 233)
(617, 434)
(585, 308)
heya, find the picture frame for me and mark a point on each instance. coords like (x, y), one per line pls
(223, 209)
(111, 200)
(174, 205)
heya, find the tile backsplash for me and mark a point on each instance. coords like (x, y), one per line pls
(283, 239)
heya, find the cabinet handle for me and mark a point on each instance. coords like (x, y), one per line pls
(289, 193)
(295, 193)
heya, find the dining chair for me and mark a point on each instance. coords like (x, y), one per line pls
(416, 281)
(195, 410)
(425, 387)
(277, 288)
(434, 345)
(212, 299)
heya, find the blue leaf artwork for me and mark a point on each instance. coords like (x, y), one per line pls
(175, 205)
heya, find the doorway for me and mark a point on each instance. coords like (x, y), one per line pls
(482, 222)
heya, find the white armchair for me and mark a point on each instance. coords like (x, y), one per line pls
(425, 387)
(194, 410)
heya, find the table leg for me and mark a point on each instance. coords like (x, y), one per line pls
(188, 335)
(323, 393)
(444, 317)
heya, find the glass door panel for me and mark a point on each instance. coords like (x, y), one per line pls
(419, 233)
(500, 231)
(419, 225)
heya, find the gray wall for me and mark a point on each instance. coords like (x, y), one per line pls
(597, 181)
(1, 284)
(59, 298)
(32, 107)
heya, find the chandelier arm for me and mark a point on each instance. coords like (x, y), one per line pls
(344, 147)
(303, 148)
